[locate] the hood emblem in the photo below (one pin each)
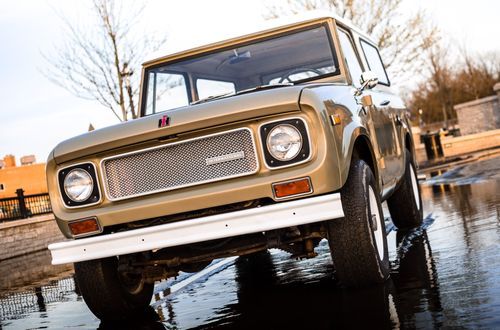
(224, 158)
(164, 121)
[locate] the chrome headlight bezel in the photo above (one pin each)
(304, 153)
(94, 196)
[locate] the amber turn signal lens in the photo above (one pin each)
(290, 188)
(335, 120)
(84, 226)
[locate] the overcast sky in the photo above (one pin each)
(35, 114)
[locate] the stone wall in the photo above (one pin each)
(21, 237)
(456, 146)
(479, 115)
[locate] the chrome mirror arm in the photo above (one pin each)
(368, 80)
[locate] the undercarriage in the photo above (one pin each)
(299, 241)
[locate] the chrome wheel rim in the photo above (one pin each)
(376, 224)
(414, 184)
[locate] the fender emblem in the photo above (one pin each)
(164, 121)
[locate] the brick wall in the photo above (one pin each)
(21, 237)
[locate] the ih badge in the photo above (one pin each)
(164, 121)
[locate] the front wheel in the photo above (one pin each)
(405, 204)
(358, 243)
(109, 294)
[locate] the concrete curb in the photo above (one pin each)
(23, 222)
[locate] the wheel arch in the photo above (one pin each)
(362, 148)
(409, 145)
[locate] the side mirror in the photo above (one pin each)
(368, 80)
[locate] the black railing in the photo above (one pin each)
(24, 206)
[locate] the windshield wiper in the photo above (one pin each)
(243, 91)
(268, 86)
(211, 97)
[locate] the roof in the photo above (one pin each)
(262, 27)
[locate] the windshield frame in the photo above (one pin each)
(327, 23)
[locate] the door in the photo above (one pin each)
(386, 113)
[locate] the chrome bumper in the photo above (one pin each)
(260, 219)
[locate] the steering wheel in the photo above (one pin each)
(287, 75)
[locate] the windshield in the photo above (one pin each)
(290, 58)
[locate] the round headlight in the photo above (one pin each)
(284, 142)
(78, 185)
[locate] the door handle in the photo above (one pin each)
(385, 102)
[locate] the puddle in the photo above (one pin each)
(477, 172)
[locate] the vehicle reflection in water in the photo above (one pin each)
(268, 297)
(444, 274)
(417, 285)
(149, 321)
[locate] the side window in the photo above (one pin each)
(2, 188)
(207, 88)
(375, 62)
(165, 91)
(350, 57)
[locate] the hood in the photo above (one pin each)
(189, 118)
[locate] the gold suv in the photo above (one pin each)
(277, 139)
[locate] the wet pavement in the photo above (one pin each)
(443, 274)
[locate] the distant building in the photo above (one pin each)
(30, 176)
(9, 161)
(28, 160)
(479, 115)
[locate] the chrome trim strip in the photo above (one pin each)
(105, 183)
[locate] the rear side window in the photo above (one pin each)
(375, 62)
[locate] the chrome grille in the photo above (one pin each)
(182, 164)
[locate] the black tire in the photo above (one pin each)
(109, 295)
(353, 239)
(405, 207)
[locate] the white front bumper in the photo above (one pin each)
(231, 224)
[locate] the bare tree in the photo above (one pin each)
(452, 80)
(475, 70)
(401, 40)
(102, 61)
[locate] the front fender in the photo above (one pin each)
(338, 100)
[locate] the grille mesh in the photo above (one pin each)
(179, 165)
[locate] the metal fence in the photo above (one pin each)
(24, 206)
